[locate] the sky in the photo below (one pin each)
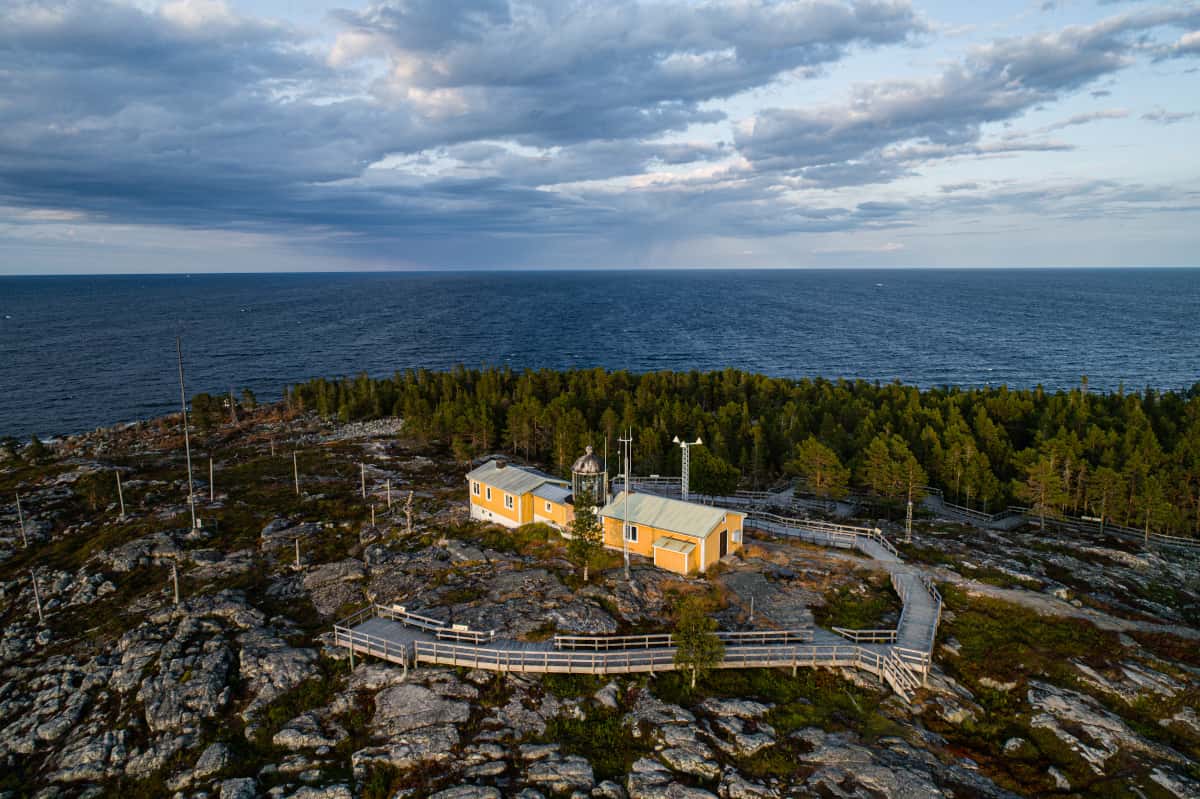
(297, 135)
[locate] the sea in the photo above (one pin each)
(77, 353)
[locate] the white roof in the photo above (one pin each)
(513, 479)
(674, 545)
(674, 515)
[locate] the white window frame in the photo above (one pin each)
(475, 487)
(508, 501)
(631, 533)
(489, 493)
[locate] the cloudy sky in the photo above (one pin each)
(197, 135)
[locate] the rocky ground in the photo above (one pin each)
(1064, 666)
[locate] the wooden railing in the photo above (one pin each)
(643, 660)
(604, 643)
(866, 636)
(370, 644)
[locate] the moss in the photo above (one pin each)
(602, 738)
(571, 686)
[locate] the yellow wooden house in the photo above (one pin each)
(516, 495)
(678, 536)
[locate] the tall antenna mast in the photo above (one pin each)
(187, 444)
(627, 441)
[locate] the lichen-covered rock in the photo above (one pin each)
(561, 775)
(408, 706)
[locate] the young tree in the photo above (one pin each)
(586, 539)
(821, 469)
(36, 451)
(697, 648)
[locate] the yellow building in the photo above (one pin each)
(682, 537)
(516, 495)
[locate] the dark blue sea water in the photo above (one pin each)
(79, 352)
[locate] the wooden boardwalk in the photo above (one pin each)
(901, 657)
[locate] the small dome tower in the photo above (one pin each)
(588, 475)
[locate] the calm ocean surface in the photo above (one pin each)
(79, 352)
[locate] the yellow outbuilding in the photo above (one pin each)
(682, 537)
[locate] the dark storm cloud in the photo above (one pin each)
(193, 115)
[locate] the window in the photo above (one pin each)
(489, 493)
(737, 536)
(508, 501)
(547, 506)
(475, 489)
(631, 533)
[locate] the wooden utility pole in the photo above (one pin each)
(296, 472)
(120, 494)
(389, 494)
(187, 445)
(37, 597)
(21, 521)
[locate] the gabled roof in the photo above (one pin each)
(666, 514)
(513, 479)
(553, 492)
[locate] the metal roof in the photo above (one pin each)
(666, 514)
(674, 545)
(553, 492)
(513, 479)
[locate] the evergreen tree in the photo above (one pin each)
(586, 535)
(697, 648)
(820, 469)
(1042, 487)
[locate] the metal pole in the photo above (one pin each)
(684, 479)
(21, 520)
(296, 472)
(362, 471)
(187, 446)
(120, 494)
(37, 597)
(628, 440)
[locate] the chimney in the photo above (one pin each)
(501, 463)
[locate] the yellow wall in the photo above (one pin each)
(518, 514)
(558, 514)
(676, 561)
